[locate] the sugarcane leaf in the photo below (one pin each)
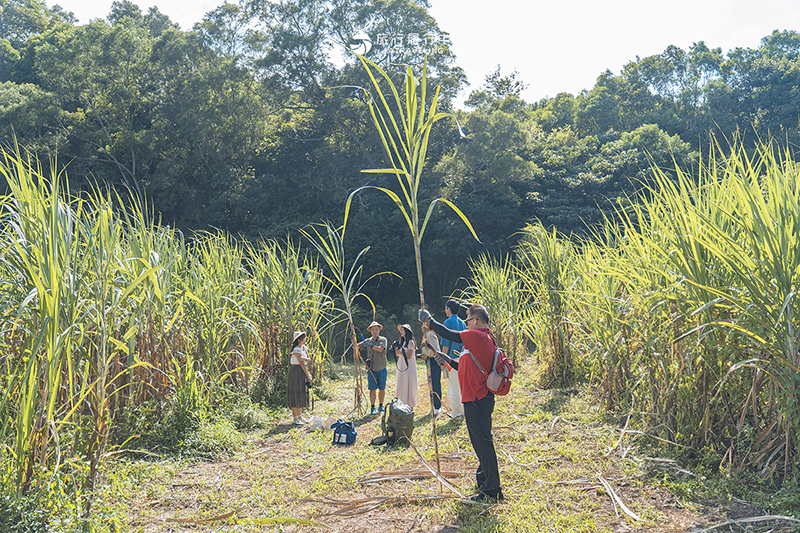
(461, 215)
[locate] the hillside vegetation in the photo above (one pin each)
(249, 122)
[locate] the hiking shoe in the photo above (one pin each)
(380, 408)
(373, 411)
(482, 497)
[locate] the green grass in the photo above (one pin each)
(552, 446)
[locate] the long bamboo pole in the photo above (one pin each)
(427, 361)
(359, 387)
(405, 143)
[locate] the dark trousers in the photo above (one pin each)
(478, 416)
(436, 383)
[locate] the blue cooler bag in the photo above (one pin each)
(344, 432)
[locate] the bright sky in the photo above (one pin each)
(558, 45)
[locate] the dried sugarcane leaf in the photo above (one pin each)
(279, 521)
(750, 520)
(764, 434)
(378, 477)
(617, 499)
(365, 505)
(580, 481)
(225, 516)
(436, 474)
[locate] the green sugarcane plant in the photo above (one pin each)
(752, 233)
(102, 310)
(113, 285)
(328, 242)
(40, 253)
(157, 319)
(404, 126)
(67, 256)
(602, 307)
(500, 287)
(546, 258)
(288, 294)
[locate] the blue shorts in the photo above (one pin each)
(378, 381)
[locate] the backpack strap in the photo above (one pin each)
(478, 364)
(495, 356)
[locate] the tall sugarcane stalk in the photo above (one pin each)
(405, 129)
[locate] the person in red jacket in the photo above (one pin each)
(478, 401)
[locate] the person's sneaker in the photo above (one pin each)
(482, 497)
(373, 411)
(436, 411)
(299, 422)
(380, 408)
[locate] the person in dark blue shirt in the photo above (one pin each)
(453, 349)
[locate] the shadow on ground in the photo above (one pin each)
(557, 401)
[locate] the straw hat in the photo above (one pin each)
(406, 326)
(297, 335)
(374, 324)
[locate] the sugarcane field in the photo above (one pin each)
(295, 268)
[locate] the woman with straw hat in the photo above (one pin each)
(299, 379)
(406, 384)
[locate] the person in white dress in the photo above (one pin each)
(406, 384)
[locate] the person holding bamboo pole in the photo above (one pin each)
(478, 401)
(299, 379)
(429, 347)
(453, 349)
(375, 360)
(406, 383)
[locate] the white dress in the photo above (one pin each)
(407, 386)
(454, 392)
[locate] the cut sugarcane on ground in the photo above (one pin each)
(564, 467)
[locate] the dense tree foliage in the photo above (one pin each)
(250, 122)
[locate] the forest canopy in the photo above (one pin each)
(250, 122)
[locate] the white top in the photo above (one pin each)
(432, 340)
(299, 352)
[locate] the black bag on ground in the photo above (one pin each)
(344, 432)
(397, 421)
